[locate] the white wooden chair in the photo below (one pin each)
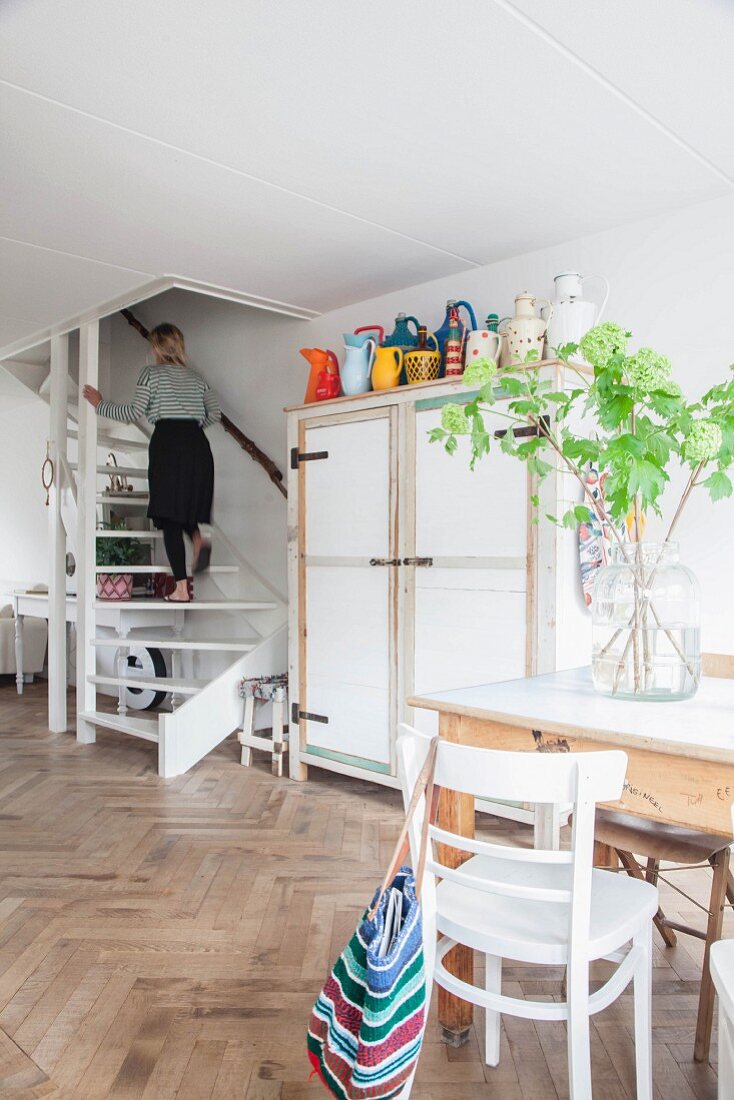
(721, 965)
(536, 906)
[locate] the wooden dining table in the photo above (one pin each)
(680, 755)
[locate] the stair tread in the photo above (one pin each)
(146, 728)
(165, 569)
(114, 442)
(181, 685)
(243, 645)
(127, 534)
(121, 471)
(139, 497)
(193, 605)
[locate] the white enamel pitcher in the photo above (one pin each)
(573, 315)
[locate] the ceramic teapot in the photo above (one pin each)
(526, 330)
(357, 368)
(387, 367)
(358, 338)
(573, 315)
(320, 360)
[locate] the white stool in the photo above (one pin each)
(265, 689)
(721, 963)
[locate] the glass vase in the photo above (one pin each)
(646, 610)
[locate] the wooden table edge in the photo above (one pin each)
(607, 738)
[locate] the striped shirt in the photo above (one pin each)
(167, 392)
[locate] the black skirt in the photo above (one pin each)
(180, 474)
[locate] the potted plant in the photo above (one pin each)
(629, 421)
(116, 552)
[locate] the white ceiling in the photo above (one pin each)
(324, 153)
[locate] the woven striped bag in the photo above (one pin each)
(366, 1028)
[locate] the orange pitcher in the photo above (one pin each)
(320, 361)
(386, 368)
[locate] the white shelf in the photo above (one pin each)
(155, 683)
(223, 645)
(145, 728)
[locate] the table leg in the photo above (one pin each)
(19, 653)
(456, 814)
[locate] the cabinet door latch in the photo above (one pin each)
(424, 562)
(305, 456)
(385, 561)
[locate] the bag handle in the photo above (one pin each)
(424, 784)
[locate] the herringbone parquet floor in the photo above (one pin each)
(167, 939)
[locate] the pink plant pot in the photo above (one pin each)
(114, 586)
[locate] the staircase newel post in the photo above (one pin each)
(57, 717)
(86, 542)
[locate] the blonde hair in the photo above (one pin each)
(168, 344)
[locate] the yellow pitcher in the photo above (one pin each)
(386, 369)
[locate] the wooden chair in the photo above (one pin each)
(257, 691)
(659, 843)
(534, 905)
(721, 961)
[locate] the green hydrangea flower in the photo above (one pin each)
(479, 372)
(703, 441)
(647, 370)
(602, 342)
(454, 420)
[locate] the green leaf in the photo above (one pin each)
(451, 444)
(718, 485)
(535, 500)
(615, 410)
(436, 434)
(569, 518)
(580, 450)
(582, 513)
(538, 466)
(646, 478)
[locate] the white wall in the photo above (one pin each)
(672, 284)
(23, 515)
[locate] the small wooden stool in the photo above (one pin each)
(264, 689)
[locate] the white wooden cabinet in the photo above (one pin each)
(408, 573)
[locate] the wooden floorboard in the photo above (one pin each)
(166, 939)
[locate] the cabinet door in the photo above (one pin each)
(349, 647)
(470, 605)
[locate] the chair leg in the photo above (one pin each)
(643, 1014)
(633, 869)
(492, 1020)
(579, 1041)
(720, 864)
(730, 887)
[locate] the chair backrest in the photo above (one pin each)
(582, 779)
(720, 665)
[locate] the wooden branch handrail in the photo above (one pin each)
(248, 445)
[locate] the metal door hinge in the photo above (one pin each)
(425, 562)
(305, 456)
(385, 561)
(307, 716)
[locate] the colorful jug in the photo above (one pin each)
(443, 331)
(484, 343)
(319, 361)
(422, 364)
(357, 369)
(387, 367)
(526, 331)
(357, 338)
(329, 383)
(401, 336)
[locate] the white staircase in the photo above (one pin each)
(235, 616)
